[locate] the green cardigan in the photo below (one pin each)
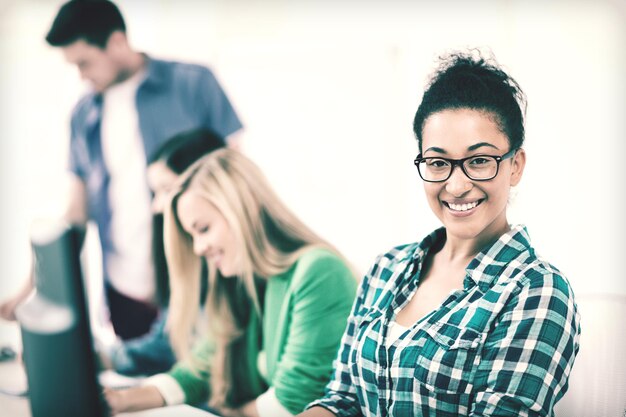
(304, 316)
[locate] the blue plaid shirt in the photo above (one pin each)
(504, 345)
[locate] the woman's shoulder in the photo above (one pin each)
(400, 253)
(536, 272)
(514, 261)
(320, 264)
(319, 257)
(406, 253)
(394, 259)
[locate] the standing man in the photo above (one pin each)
(137, 103)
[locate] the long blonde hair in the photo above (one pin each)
(270, 237)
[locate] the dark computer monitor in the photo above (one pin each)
(56, 338)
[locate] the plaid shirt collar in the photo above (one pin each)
(488, 264)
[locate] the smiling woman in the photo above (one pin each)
(469, 321)
(277, 301)
(212, 238)
(471, 202)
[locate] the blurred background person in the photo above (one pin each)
(135, 105)
(152, 353)
(278, 298)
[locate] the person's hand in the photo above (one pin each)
(133, 399)
(7, 308)
(116, 399)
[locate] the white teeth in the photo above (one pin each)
(463, 207)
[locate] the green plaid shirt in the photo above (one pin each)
(504, 345)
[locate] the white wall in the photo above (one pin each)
(327, 91)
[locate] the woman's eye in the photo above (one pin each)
(203, 229)
(437, 163)
(479, 160)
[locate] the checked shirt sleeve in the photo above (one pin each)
(528, 357)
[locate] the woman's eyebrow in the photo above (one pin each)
(436, 149)
(469, 148)
(480, 145)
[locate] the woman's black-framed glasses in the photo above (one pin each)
(475, 167)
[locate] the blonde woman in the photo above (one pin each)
(278, 298)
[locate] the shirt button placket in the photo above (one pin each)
(383, 379)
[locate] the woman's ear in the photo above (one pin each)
(518, 162)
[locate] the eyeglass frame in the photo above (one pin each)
(460, 162)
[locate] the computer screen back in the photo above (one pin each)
(57, 345)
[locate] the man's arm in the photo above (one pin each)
(75, 211)
(8, 306)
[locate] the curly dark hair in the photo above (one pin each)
(469, 80)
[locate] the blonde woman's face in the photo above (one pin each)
(212, 236)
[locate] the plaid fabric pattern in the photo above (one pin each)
(504, 345)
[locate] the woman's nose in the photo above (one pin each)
(200, 246)
(458, 184)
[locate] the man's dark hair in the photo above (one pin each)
(90, 20)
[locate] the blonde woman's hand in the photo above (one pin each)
(115, 399)
(133, 399)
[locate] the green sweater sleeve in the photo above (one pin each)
(193, 376)
(323, 290)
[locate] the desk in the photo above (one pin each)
(13, 379)
(174, 411)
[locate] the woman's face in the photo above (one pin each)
(470, 210)
(161, 181)
(212, 236)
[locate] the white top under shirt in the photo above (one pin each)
(130, 267)
(267, 404)
(394, 332)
